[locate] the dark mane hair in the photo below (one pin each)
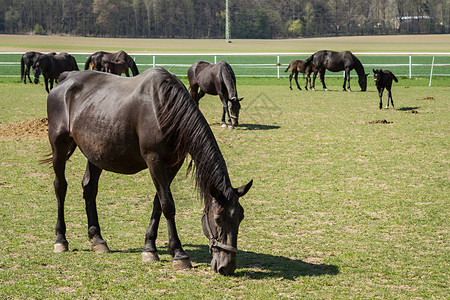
(185, 127)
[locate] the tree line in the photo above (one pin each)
(206, 18)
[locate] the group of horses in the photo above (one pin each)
(52, 65)
(333, 61)
(152, 121)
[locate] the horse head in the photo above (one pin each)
(36, 71)
(220, 223)
(362, 80)
(234, 108)
(377, 75)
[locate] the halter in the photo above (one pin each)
(214, 242)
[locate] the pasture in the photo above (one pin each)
(344, 205)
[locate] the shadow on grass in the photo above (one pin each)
(260, 265)
(252, 126)
(407, 108)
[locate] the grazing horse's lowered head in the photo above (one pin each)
(220, 224)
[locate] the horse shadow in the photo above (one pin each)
(254, 126)
(407, 108)
(266, 265)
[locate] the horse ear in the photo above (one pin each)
(374, 70)
(240, 99)
(242, 190)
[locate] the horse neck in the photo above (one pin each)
(187, 131)
(359, 67)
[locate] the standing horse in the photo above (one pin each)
(383, 79)
(117, 67)
(335, 62)
(101, 58)
(297, 66)
(216, 79)
(51, 66)
(125, 125)
(26, 62)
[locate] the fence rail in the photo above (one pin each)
(423, 64)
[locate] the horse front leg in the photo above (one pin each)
(290, 79)
(380, 94)
(347, 80)
(27, 73)
(390, 97)
(162, 177)
(90, 189)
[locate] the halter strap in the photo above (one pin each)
(213, 242)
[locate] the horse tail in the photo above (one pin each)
(287, 68)
(22, 68)
(49, 158)
(88, 62)
(132, 64)
(395, 78)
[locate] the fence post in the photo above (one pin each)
(215, 59)
(278, 67)
(431, 72)
(410, 66)
(154, 61)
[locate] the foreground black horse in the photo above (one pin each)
(383, 79)
(125, 125)
(101, 59)
(300, 66)
(335, 62)
(51, 66)
(216, 79)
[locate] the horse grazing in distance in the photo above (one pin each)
(101, 58)
(299, 66)
(126, 125)
(26, 62)
(335, 62)
(51, 66)
(216, 79)
(117, 67)
(383, 80)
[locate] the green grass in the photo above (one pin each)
(340, 208)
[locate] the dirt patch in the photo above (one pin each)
(413, 111)
(426, 98)
(380, 122)
(36, 128)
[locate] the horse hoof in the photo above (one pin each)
(58, 248)
(150, 256)
(224, 125)
(182, 264)
(100, 248)
(230, 127)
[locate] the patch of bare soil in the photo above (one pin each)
(426, 98)
(36, 128)
(380, 122)
(413, 111)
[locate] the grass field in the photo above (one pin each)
(342, 206)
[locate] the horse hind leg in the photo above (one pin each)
(296, 81)
(61, 146)
(90, 189)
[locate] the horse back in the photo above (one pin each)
(110, 118)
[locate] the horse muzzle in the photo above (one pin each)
(223, 263)
(36, 80)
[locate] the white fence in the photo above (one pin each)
(422, 64)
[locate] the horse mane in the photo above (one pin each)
(185, 127)
(229, 72)
(359, 68)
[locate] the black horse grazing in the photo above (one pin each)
(26, 62)
(100, 60)
(335, 62)
(51, 66)
(383, 79)
(299, 66)
(126, 125)
(216, 79)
